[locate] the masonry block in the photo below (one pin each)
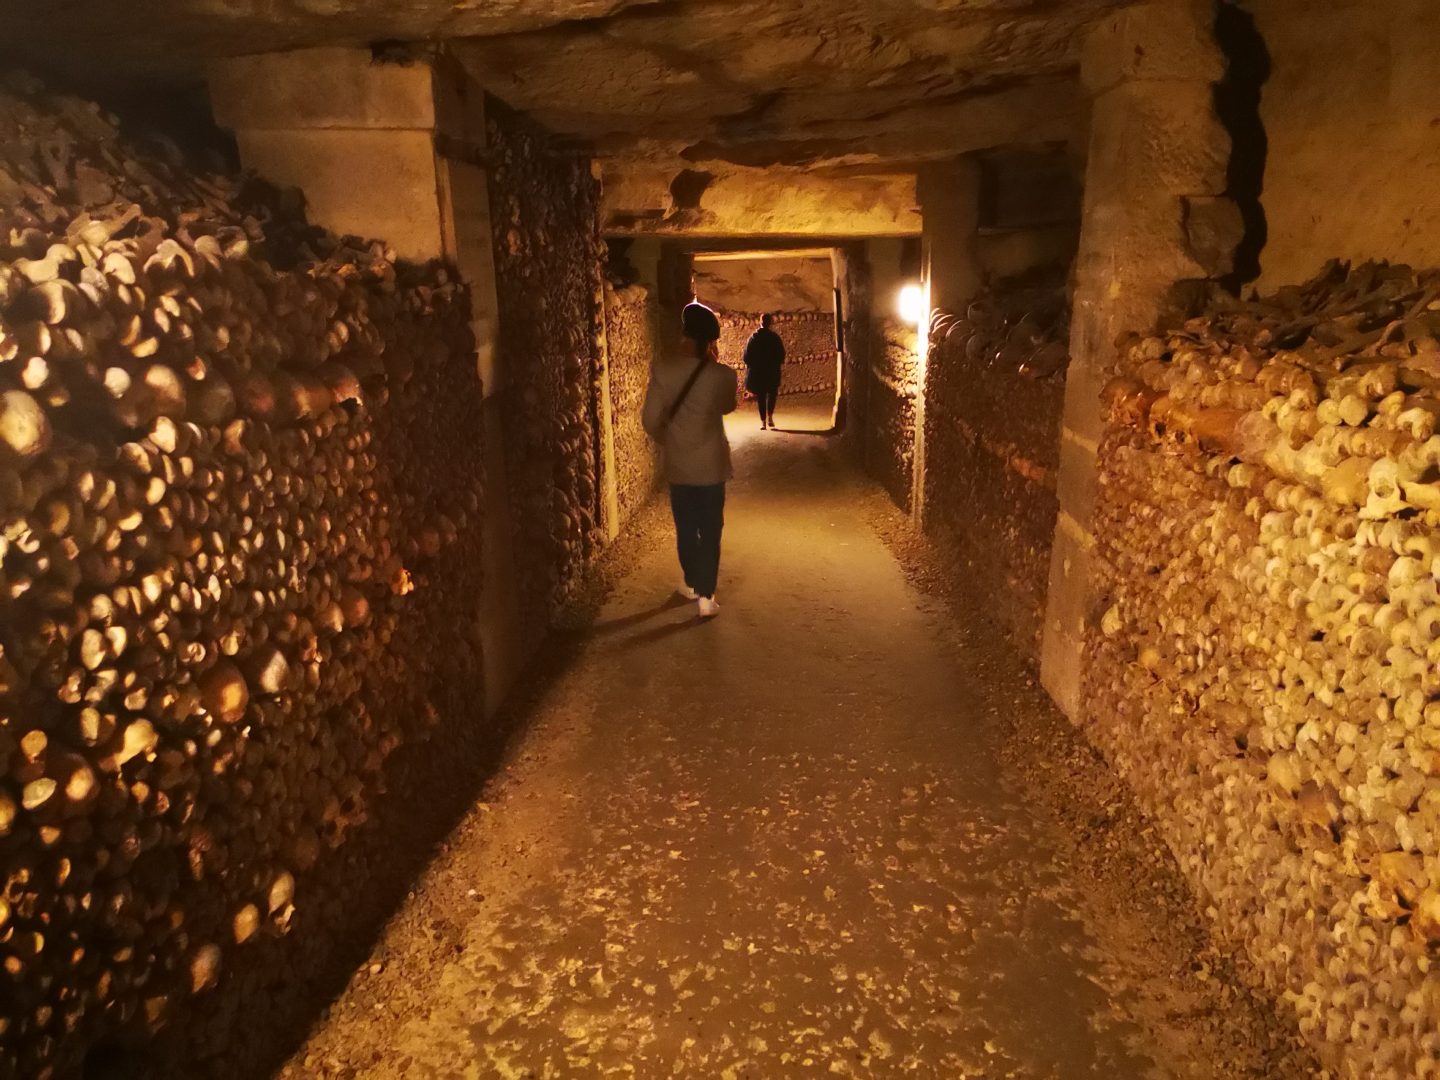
(321, 88)
(363, 182)
(1162, 41)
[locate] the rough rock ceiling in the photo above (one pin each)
(787, 117)
(169, 41)
(761, 82)
(751, 82)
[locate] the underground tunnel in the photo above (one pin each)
(1074, 708)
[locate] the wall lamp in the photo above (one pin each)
(911, 303)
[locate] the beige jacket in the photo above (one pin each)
(696, 450)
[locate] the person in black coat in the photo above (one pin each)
(764, 356)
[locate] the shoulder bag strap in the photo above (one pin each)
(685, 390)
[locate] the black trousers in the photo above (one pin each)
(699, 512)
(766, 399)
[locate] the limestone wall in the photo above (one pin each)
(809, 338)
(1262, 662)
(994, 391)
(544, 210)
(631, 334)
(241, 499)
(893, 380)
(1349, 111)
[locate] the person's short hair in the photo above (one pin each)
(699, 323)
(766, 320)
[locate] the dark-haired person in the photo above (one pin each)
(685, 406)
(764, 357)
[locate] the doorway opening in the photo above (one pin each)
(798, 287)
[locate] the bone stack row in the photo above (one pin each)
(1264, 662)
(544, 211)
(994, 392)
(809, 338)
(890, 404)
(239, 506)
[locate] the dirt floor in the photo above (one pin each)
(837, 831)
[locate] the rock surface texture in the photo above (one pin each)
(817, 103)
(798, 283)
(764, 82)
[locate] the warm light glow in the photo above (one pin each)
(912, 304)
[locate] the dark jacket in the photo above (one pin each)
(764, 356)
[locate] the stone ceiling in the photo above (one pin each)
(749, 82)
(763, 82)
(110, 41)
(803, 117)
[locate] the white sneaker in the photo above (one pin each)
(708, 607)
(687, 592)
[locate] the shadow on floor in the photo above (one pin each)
(639, 618)
(824, 433)
(658, 633)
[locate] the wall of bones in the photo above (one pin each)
(809, 338)
(549, 287)
(632, 335)
(994, 389)
(1264, 659)
(240, 502)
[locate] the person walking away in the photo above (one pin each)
(685, 407)
(764, 357)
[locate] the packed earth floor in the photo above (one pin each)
(794, 841)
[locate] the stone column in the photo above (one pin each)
(1154, 215)
(674, 288)
(609, 480)
(951, 275)
(394, 151)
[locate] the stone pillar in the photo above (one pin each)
(1154, 215)
(394, 151)
(951, 275)
(609, 480)
(674, 288)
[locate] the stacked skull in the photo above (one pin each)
(994, 393)
(1263, 665)
(549, 287)
(239, 503)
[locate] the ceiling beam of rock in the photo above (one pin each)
(744, 202)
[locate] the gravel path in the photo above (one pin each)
(794, 841)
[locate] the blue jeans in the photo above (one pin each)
(699, 512)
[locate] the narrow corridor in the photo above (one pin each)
(771, 845)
